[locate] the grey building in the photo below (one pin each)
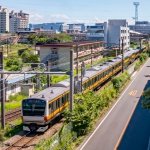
(118, 29)
(98, 32)
(58, 26)
(77, 26)
(141, 26)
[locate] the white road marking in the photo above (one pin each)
(111, 109)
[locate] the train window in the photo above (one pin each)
(56, 104)
(67, 97)
(63, 100)
(50, 108)
(33, 107)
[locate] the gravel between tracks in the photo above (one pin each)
(49, 133)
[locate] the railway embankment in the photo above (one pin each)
(89, 109)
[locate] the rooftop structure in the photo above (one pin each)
(4, 20)
(18, 20)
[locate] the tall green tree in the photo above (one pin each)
(42, 35)
(32, 38)
(146, 101)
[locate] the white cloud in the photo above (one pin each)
(60, 16)
(97, 19)
(36, 18)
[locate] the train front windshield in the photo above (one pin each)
(33, 107)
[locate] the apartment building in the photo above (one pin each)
(18, 20)
(118, 30)
(4, 20)
(141, 26)
(98, 32)
(59, 54)
(77, 26)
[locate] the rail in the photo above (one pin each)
(25, 138)
(12, 115)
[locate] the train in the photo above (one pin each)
(40, 109)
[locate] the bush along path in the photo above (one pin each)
(88, 108)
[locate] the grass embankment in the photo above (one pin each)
(11, 129)
(14, 102)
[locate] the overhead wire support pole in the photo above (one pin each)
(119, 46)
(48, 76)
(2, 90)
(7, 46)
(77, 59)
(91, 56)
(71, 80)
(122, 56)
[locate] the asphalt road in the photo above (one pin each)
(136, 136)
(110, 128)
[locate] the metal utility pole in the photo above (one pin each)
(122, 56)
(7, 46)
(136, 13)
(77, 59)
(38, 82)
(140, 44)
(82, 73)
(119, 46)
(2, 90)
(91, 55)
(48, 76)
(71, 80)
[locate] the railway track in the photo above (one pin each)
(12, 115)
(24, 142)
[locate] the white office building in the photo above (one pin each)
(4, 20)
(98, 32)
(18, 20)
(118, 29)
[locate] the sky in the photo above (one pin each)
(79, 11)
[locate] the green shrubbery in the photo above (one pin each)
(17, 97)
(142, 58)
(92, 105)
(10, 131)
(13, 64)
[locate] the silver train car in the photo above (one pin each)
(40, 109)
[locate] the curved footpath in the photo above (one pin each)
(126, 125)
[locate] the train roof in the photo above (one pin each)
(50, 93)
(63, 86)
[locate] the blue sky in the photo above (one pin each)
(73, 11)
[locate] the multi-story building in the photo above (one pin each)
(77, 26)
(64, 28)
(98, 32)
(117, 30)
(141, 26)
(18, 20)
(49, 26)
(59, 54)
(4, 20)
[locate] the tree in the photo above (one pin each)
(32, 38)
(41, 41)
(146, 101)
(42, 35)
(13, 64)
(25, 55)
